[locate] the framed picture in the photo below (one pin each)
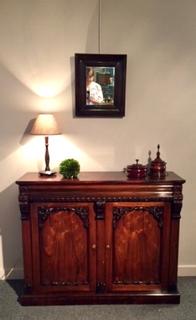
(100, 85)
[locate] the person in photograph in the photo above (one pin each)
(94, 93)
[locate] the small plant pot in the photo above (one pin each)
(69, 168)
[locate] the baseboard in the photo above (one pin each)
(187, 270)
(17, 273)
(11, 273)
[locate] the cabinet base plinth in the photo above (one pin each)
(62, 299)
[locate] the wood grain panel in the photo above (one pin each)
(63, 243)
(136, 249)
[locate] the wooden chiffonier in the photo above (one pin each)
(101, 238)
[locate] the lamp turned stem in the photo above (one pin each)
(47, 157)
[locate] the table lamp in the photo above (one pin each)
(45, 124)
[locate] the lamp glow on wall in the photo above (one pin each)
(45, 124)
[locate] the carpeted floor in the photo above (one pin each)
(10, 309)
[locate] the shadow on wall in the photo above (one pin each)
(10, 233)
(18, 106)
(14, 100)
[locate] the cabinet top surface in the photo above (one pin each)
(97, 177)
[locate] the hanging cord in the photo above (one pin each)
(99, 27)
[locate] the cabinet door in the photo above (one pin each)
(137, 246)
(64, 247)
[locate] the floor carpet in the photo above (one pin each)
(10, 309)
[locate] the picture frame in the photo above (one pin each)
(100, 83)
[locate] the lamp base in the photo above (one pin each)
(47, 173)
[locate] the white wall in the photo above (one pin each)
(38, 42)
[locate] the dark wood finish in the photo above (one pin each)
(66, 238)
(47, 157)
(136, 246)
(102, 238)
(100, 60)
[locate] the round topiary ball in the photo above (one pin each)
(69, 168)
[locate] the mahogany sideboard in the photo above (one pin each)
(99, 239)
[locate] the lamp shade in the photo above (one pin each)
(45, 124)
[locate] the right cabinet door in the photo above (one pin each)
(137, 246)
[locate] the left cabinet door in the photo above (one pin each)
(63, 247)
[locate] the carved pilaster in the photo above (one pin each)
(176, 209)
(24, 206)
(44, 212)
(157, 213)
(177, 202)
(99, 207)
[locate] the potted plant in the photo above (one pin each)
(69, 168)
